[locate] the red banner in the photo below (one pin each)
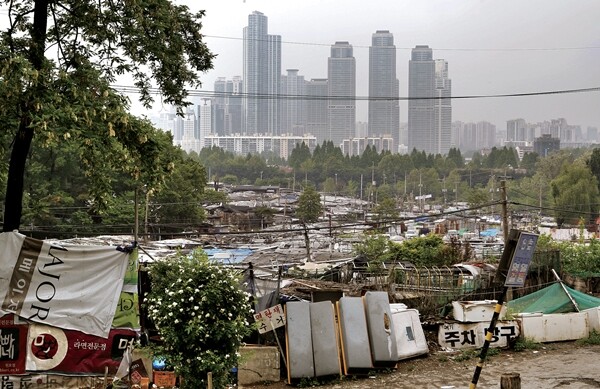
(13, 345)
(66, 351)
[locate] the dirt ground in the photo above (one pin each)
(556, 365)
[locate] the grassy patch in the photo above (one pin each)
(593, 339)
(523, 344)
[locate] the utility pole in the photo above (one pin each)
(420, 193)
(504, 210)
(493, 190)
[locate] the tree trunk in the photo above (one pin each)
(13, 202)
(307, 243)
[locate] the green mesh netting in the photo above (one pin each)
(553, 299)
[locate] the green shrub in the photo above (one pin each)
(200, 313)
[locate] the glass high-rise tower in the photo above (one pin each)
(429, 105)
(262, 76)
(341, 71)
(384, 109)
(421, 91)
(442, 108)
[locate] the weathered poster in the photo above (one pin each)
(45, 381)
(73, 287)
(13, 345)
(127, 314)
(66, 351)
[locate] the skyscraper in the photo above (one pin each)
(442, 108)
(317, 109)
(273, 84)
(341, 70)
(384, 109)
(227, 106)
(262, 73)
(293, 109)
(421, 90)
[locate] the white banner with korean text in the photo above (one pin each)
(71, 287)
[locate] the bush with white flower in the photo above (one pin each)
(200, 312)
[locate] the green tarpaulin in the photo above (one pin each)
(553, 299)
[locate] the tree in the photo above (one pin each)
(594, 163)
(65, 95)
(575, 193)
(299, 155)
(455, 156)
(529, 160)
(308, 211)
(309, 205)
(386, 209)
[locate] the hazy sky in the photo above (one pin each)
(492, 47)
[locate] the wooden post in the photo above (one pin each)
(209, 380)
(510, 381)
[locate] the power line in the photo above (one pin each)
(267, 96)
(467, 49)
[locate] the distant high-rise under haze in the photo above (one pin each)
(341, 71)
(442, 109)
(317, 112)
(293, 115)
(262, 76)
(421, 90)
(384, 109)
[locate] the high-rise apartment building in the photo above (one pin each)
(517, 130)
(205, 120)
(442, 109)
(293, 113)
(273, 84)
(472, 137)
(421, 91)
(384, 108)
(316, 108)
(261, 78)
(227, 106)
(341, 71)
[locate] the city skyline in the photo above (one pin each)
(486, 55)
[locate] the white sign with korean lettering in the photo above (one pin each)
(270, 318)
(472, 335)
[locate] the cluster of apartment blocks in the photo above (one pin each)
(265, 111)
(542, 137)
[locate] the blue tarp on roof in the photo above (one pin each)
(228, 256)
(490, 232)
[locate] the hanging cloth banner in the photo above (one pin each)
(70, 287)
